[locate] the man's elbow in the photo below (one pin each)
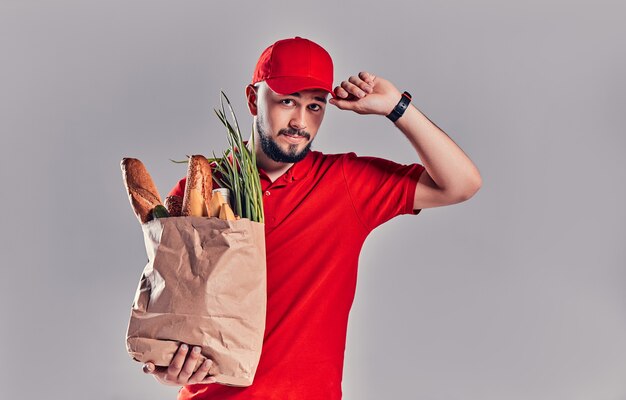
(469, 189)
(477, 183)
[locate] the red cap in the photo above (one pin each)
(292, 65)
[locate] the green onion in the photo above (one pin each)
(239, 173)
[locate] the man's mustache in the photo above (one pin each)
(294, 132)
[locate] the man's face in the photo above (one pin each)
(287, 124)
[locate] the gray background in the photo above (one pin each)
(516, 294)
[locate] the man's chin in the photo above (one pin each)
(298, 154)
(294, 148)
(283, 150)
(294, 153)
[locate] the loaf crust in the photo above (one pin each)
(198, 188)
(142, 192)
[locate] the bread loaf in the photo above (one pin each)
(198, 188)
(174, 205)
(142, 192)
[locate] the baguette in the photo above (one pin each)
(142, 192)
(198, 188)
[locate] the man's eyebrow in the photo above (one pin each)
(320, 99)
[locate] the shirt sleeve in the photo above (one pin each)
(380, 189)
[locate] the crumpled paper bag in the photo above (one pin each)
(204, 285)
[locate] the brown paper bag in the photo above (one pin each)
(204, 285)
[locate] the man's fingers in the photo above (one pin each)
(364, 86)
(210, 379)
(341, 92)
(177, 362)
(357, 86)
(148, 368)
(342, 104)
(200, 376)
(367, 77)
(190, 364)
(340, 101)
(353, 89)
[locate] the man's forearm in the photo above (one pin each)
(445, 162)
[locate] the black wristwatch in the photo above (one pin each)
(401, 107)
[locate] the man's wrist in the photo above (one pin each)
(400, 108)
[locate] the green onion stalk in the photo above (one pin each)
(238, 168)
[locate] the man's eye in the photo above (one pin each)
(315, 107)
(286, 101)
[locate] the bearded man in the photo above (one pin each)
(319, 209)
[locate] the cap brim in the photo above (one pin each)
(292, 84)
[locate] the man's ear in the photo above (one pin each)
(251, 96)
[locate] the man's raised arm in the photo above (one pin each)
(450, 176)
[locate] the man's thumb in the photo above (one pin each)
(341, 104)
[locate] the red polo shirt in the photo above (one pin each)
(318, 214)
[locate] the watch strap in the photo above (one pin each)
(401, 107)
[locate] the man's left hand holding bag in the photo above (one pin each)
(180, 371)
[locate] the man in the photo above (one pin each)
(318, 210)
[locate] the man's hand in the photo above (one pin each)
(366, 94)
(180, 371)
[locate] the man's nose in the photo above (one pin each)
(298, 119)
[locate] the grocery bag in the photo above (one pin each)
(204, 285)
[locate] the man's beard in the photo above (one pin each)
(273, 151)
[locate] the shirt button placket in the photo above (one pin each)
(270, 221)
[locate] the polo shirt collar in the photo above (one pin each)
(300, 169)
(297, 171)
